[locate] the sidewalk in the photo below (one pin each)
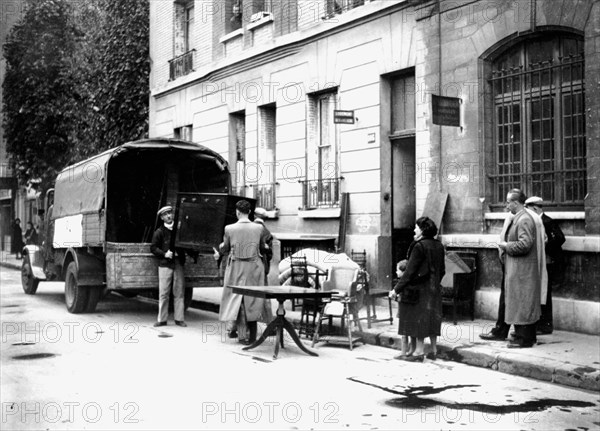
(566, 358)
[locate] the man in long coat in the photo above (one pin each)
(243, 242)
(524, 270)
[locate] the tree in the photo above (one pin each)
(124, 90)
(39, 92)
(77, 83)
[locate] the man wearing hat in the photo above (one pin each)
(260, 215)
(554, 241)
(243, 243)
(170, 269)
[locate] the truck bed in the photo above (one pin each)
(133, 266)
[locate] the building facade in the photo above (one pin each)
(359, 116)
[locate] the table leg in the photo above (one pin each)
(271, 329)
(288, 327)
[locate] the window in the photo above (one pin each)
(539, 123)
(184, 28)
(233, 15)
(265, 189)
(183, 40)
(403, 104)
(184, 133)
(334, 7)
(322, 188)
(237, 150)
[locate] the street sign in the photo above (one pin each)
(343, 117)
(446, 110)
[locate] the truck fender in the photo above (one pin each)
(90, 269)
(36, 260)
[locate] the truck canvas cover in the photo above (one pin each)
(82, 188)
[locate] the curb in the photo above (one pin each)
(477, 355)
(10, 265)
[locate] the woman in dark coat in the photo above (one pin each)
(424, 271)
(17, 238)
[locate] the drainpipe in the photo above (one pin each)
(439, 8)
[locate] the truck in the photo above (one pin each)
(101, 214)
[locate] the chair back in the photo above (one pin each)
(341, 279)
(360, 257)
(299, 271)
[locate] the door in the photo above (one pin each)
(403, 195)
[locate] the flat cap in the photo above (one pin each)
(260, 212)
(164, 210)
(534, 200)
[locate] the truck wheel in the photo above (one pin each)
(94, 293)
(28, 280)
(187, 298)
(76, 297)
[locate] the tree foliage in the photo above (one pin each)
(39, 90)
(77, 82)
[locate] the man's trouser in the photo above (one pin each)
(170, 279)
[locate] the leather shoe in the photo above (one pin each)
(414, 358)
(432, 356)
(245, 342)
(181, 323)
(157, 324)
(490, 336)
(232, 334)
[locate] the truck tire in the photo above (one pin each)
(28, 280)
(76, 297)
(94, 293)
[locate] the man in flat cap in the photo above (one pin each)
(554, 241)
(170, 269)
(260, 215)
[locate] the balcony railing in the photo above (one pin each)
(321, 193)
(182, 65)
(265, 195)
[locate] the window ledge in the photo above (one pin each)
(232, 35)
(259, 23)
(583, 244)
(320, 213)
(556, 215)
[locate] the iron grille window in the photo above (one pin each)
(539, 122)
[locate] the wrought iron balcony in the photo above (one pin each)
(181, 65)
(265, 195)
(321, 193)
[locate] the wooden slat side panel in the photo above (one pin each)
(93, 229)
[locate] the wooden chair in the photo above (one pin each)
(343, 305)
(370, 293)
(462, 291)
(299, 274)
(311, 307)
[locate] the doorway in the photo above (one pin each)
(403, 195)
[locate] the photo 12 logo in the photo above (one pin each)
(31, 412)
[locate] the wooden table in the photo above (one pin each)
(276, 327)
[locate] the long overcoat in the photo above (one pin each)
(423, 319)
(242, 242)
(523, 269)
